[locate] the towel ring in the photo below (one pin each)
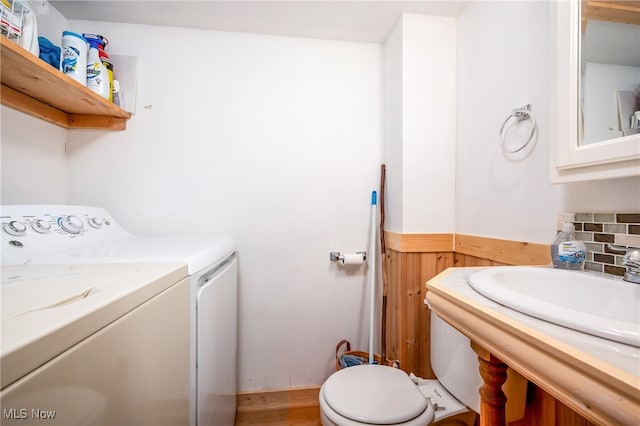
(520, 114)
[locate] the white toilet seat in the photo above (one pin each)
(373, 395)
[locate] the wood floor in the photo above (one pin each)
(296, 407)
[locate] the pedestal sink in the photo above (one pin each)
(592, 303)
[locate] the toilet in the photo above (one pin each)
(380, 395)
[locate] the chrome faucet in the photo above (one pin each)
(632, 261)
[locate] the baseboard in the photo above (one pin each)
(296, 406)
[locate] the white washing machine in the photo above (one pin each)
(95, 344)
(38, 235)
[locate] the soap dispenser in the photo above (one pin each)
(567, 251)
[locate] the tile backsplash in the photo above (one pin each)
(601, 233)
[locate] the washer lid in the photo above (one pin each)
(374, 394)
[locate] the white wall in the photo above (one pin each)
(420, 87)
(503, 63)
(393, 154)
(51, 23)
(606, 196)
(429, 111)
(273, 141)
(504, 51)
(33, 168)
(34, 164)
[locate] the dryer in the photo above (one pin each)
(77, 235)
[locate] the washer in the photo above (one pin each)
(95, 344)
(80, 235)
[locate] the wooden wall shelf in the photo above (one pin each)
(34, 87)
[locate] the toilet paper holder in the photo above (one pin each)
(336, 256)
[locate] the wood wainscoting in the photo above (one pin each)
(408, 318)
(412, 260)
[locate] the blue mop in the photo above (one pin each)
(349, 360)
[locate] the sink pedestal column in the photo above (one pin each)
(492, 399)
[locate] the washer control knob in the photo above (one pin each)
(41, 226)
(15, 228)
(96, 222)
(72, 224)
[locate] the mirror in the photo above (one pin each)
(609, 70)
(585, 100)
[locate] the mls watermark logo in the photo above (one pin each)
(26, 413)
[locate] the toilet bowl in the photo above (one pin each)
(373, 394)
(380, 395)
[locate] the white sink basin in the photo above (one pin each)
(588, 302)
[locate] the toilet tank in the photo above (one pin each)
(455, 365)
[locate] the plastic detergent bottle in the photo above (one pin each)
(567, 251)
(97, 76)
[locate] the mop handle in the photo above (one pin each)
(372, 271)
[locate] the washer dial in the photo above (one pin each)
(41, 226)
(96, 222)
(15, 228)
(71, 224)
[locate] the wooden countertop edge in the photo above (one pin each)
(558, 368)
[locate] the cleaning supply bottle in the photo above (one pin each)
(104, 58)
(73, 57)
(102, 43)
(97, 77)
(567, 251)
(117, 94)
